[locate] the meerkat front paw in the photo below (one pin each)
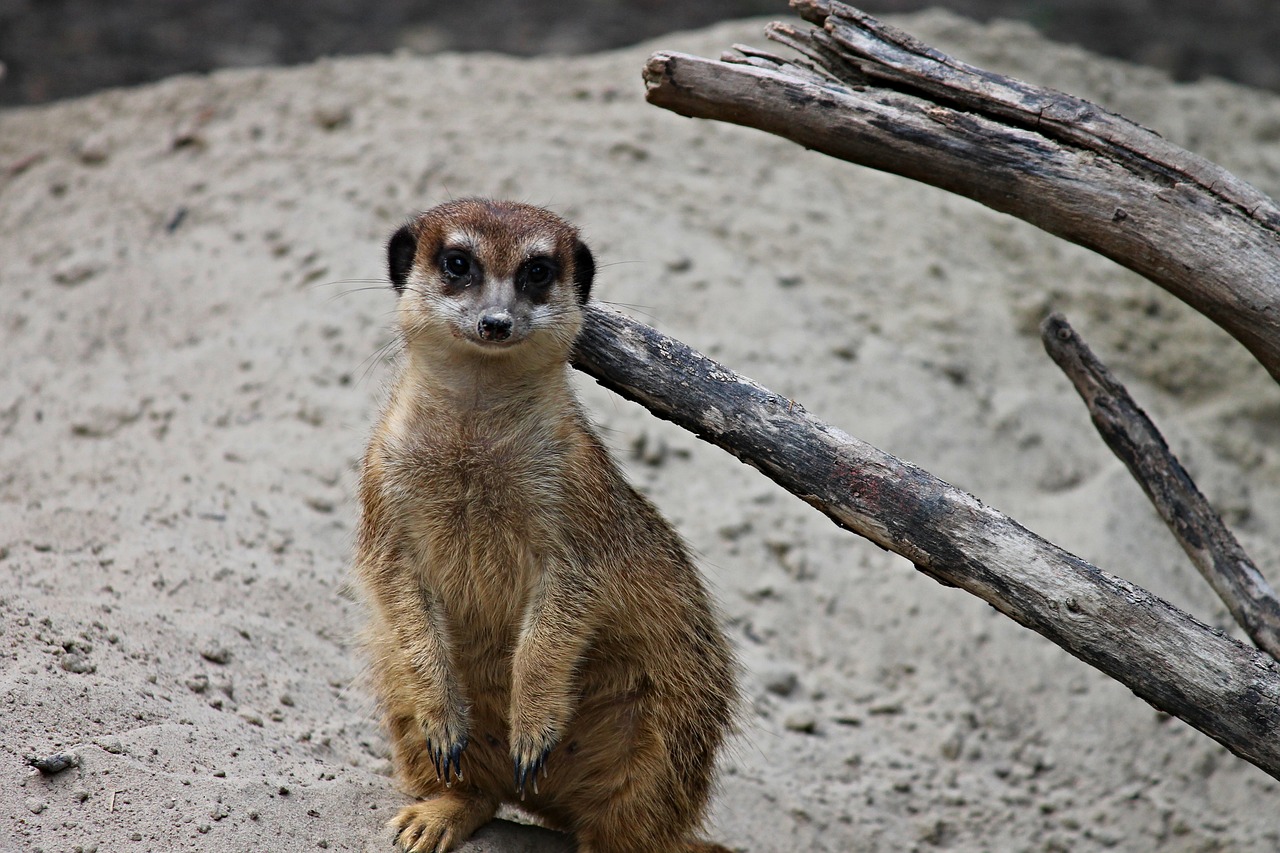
(446, 741)
(529, 751)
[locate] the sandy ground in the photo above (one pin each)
(194, 346)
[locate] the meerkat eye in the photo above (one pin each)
(539, 273)
(536, 278)
(456, 263)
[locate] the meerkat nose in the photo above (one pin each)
(495, 326)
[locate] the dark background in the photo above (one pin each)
(61, 48)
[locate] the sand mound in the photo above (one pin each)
(193, 326)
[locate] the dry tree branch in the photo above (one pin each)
(1223, 688)
(1135, 440)
(873, 95)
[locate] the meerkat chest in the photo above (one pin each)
(483, 512)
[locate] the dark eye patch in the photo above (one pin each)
(535, 277)
(458, 268)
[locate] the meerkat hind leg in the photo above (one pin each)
(443, 822)
(639, 802)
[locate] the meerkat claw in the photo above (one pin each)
(526, 771)
(447, 760)
(452, 760)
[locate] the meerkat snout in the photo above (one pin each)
(495, 326)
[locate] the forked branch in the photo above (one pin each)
(873, 95)
(1135, 440)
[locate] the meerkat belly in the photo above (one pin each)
(481, 530)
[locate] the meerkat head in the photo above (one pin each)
(491, 277)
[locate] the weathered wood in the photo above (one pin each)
(873, 95)
(1223, 688)
(1131, 435)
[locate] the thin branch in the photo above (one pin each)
(1223, 688)
(1056, 161)
(1135, 440)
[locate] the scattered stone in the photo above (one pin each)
(332, 117)
(110, 744)
(78, 663)
(93, 150)
(953, 747)
(35, 806)
(802, 721)
(251, 715)
(216, 653)
(56, 763)
(780, 680)
(320, 504)
(72, 273)
(649, 450)
(197, 683)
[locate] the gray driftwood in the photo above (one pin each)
(1135, 440)
(1224, 688)
(871, 94)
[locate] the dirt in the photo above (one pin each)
(195, 322)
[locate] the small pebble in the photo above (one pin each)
(251, 715)
(216, 653)
(72, 273)
(35, 806)
(110, 744)
(800, 721)
(78, 664)
(332, 117)
(93, 150)
(779, 680)
(56, 763)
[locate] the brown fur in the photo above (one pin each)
(529, 610)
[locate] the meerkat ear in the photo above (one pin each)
(401, 249)
(584, 270)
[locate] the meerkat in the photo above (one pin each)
(537, 633)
